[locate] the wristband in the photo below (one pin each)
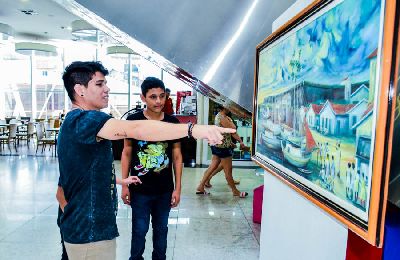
(190, 129)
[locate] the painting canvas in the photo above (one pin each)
(318, 97)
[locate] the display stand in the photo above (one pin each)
(294, 228)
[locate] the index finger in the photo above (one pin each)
(227, 130)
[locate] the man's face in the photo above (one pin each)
(96, 94)
(154, 99)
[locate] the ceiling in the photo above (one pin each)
(190, 34)
(44, 20)
(193, 34)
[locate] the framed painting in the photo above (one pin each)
(323, 110)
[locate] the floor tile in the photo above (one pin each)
(218, 226)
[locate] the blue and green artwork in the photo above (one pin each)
(316, 91)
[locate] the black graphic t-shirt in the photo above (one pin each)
(152, 161)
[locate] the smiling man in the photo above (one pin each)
(89, 201)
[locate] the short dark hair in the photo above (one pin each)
(80, 72)
(167, 90)
(151, 82)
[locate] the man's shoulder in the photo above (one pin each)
(90, 117)
(85, 113)
(136, 116)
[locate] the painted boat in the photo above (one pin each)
(299, 155)
(289, 134)
(286, 131)
(273, 127)
(295, 139)
(270, 140)
(294, 154)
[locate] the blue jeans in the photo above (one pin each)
(158, 206)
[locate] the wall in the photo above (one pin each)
(293, 227)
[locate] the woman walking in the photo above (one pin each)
(222, 153)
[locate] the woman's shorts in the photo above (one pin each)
(221, 152)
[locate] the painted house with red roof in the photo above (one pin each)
(312, 115)
(334, 119)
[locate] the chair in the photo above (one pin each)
(57, 123)
(28, 133)
(8, 119)
(41, 138)
(3, 130)
(11, 137)
(25, 118)
(51, 123)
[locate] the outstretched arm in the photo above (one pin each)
(153, 130)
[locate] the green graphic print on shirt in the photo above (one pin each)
(151, 157)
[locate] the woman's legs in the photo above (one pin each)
(219, 168)
(227, 166)
(215, 160)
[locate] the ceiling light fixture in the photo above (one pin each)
(6, 31)
(119, 50)
(39, 49)
(82, 30)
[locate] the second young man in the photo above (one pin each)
(152, 162)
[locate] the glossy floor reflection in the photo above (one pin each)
(218, 226)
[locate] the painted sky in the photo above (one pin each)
(334, 46)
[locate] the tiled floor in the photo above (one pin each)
(218, 226)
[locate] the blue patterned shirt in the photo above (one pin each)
(87, 178)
